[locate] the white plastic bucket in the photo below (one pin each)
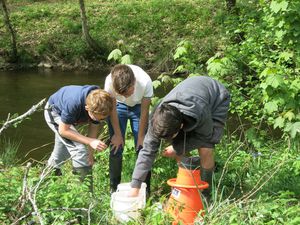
(127, 208)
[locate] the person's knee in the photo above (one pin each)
(205, 152)
(206, 158)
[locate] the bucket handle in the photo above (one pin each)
(112, 200)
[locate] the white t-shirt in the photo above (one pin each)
(143, 87)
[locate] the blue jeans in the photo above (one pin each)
(125, 113)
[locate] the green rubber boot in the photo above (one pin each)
(85, 175)
(115, 171)
(207, 176)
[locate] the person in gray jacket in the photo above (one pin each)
(192, 116)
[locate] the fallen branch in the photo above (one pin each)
(23, 197)
(9, 122)
(37, 148)
(50, 210)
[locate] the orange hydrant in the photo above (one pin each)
(185, 201)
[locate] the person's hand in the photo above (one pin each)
(169, 152)
(98, 145)
(134, 192)
(116, 142)
(139, 148)
(140, 142)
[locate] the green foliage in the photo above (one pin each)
(277, 209)
(117, 56)
(262, 69)
(8, 152)
(186, 60)
(257, 178)
(149, 28)
(71, 26)
(11, 183)
(259, 185)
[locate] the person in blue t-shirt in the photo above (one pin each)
(69, 106)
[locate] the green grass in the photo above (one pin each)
(8, 152)
(150, 30)
(250, 200)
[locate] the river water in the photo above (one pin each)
(20, 90)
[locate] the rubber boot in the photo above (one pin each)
(85, 175)
(207, 176)
(57, 172)
(115, 170)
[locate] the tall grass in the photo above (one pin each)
(8, 152)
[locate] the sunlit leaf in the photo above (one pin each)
(126, 59)
(215, 66)
(289, 115)
(279, 122)
(277, 6)
(280, 33)
(286, 55)
(271, 107)
(274, 80)
(295, 128)
(156, 83)
(179, 69)
(180, 51)
(295, 85)
(166, 79)
(267, 71)
(115, 55)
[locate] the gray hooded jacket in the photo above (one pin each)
(204, 103)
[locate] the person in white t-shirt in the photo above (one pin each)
(131, 87)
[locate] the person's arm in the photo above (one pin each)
(92, 133)
(144, 162)
(145, 104)
(66, 131)
(117, 138)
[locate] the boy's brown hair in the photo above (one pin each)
(122, 78)
(166, 121)
(99, 101)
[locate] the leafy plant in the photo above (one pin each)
(262, 67)
(8, 153)
(117, 56)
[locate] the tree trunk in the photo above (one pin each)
(85, 29)
(14, 56)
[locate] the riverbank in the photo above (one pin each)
(50, 33)
(81, 65)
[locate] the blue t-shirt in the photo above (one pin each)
(69, 103)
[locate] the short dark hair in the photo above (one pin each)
(122, 78)
(166, 121)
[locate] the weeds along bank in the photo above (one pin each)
(51, 31)
(253, 187)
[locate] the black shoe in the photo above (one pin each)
(57, 172)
